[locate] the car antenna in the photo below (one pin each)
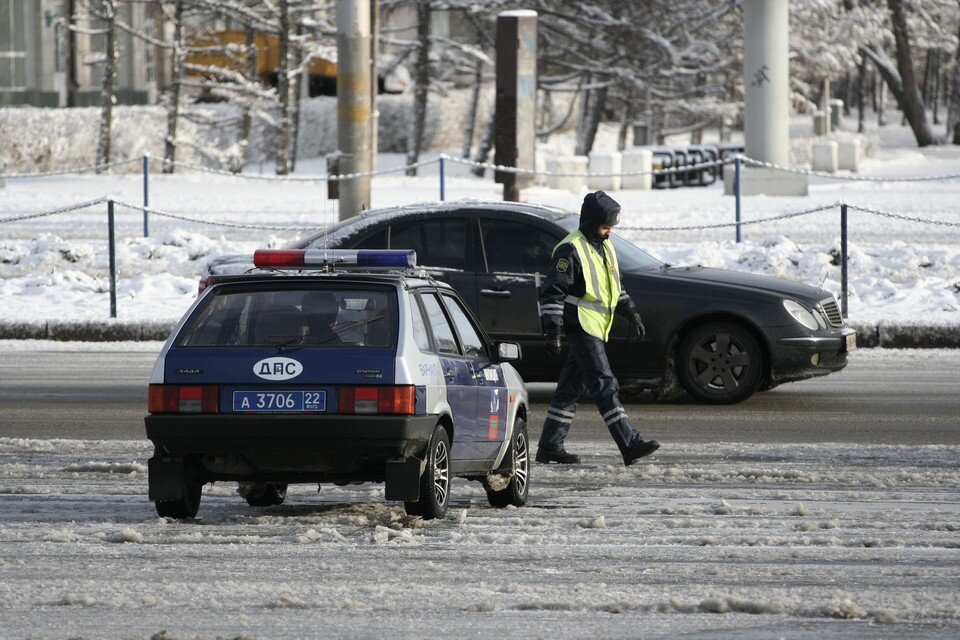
(822, 280)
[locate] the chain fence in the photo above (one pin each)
(844, 206)
(442, 158)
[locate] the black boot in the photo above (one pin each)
(640, 450)
(560, 456)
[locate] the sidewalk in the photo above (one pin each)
(883, 335)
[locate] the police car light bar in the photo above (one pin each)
(361, 259)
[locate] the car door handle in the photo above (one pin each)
(496, 293)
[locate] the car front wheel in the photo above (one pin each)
(516, 492)
(435, 481)
(720, 363)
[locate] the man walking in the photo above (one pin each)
(580, 294)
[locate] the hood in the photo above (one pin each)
(742, 280)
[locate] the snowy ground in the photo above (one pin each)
(56, 267)
(738, 540)
(734, 540)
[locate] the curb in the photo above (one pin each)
(884, 336)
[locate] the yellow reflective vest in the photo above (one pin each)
(601, 283)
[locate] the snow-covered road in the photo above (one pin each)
(735, 540)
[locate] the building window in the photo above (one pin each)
(13, 54)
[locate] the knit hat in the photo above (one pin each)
(598, 209)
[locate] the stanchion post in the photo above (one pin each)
(843, 260)
(737, 162)
(443, 188)
(113, 260)
(146, 194)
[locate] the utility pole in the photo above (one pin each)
(766, 121)
(354, 90)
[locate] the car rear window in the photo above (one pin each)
(295, 317)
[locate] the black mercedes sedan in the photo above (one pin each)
(720, 335)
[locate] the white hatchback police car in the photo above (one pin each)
(329, 375)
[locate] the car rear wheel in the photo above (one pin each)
(516, 492)
(262, 494)
(720, 363)
(435, 481)
(189, 503)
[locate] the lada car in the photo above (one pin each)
(300, 372)
(719, 335)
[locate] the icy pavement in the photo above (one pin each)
(734, 540)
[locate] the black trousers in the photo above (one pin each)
(587, 369)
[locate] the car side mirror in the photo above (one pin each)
(508, 352)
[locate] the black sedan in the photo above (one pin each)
(720, 335)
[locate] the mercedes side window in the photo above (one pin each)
(420, 335)
(473, 346)
(376, 240)
(442, 331)
(516, 247)
(438, 243)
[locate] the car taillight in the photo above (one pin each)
(175, 398)
(390, 400)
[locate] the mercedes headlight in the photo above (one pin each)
(801, 314)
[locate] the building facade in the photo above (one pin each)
(48, 59)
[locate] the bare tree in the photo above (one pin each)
(953, 110)
(422, 90)
(176, 80)
(106, 11)
(911, 102)
(283, 89)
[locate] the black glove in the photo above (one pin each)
(553, 344)
(637, 331)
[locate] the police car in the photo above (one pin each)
(349, 368)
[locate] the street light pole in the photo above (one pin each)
(354, 101)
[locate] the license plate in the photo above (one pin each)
(280, 401)
(851, 341)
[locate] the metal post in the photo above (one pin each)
(113, 260)
(442, 182)
(737, 162)
(146, 194)
(843, 260)
(354, 132)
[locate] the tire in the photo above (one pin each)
(720, 363)
(262, 494)
(189, 504)
(435, 481)
(517, 491)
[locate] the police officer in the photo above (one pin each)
(580, 294)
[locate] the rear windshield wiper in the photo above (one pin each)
(351, 325)
(286, 343)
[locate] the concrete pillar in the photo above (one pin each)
(849, 153)
(637, 159)
(836, 114)
(766, 71)
(354, 133)
(819, 124)
(605, 163)
(767, 80)
(567, 164)
(825, 156)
